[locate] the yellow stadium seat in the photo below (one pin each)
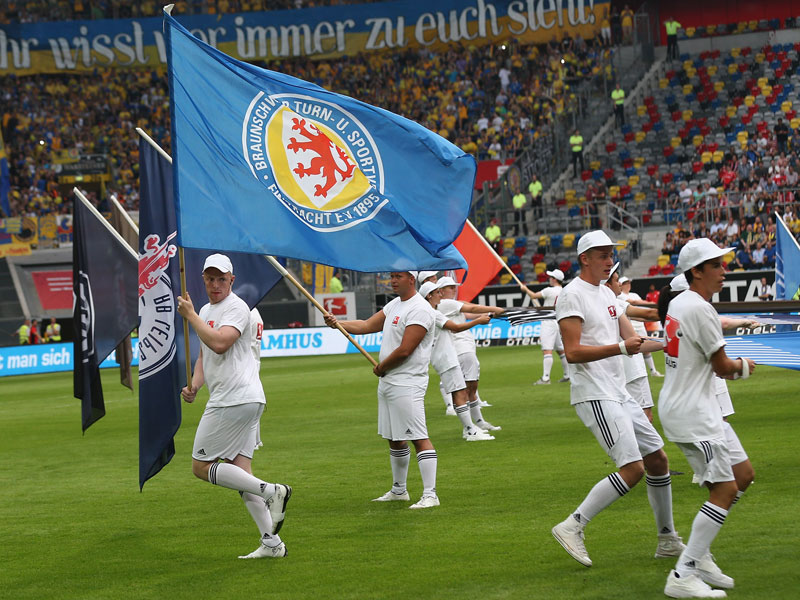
(622, 243)
(786, 106)
(687, 64)
(719, 155)
(762, 81)
(613, 191)
(641, 110)
(697, 140)
(690, 31)
(752, 25)
(663, 260)
(795, 123)
(594, 165)
(705, 157)
(719, 86)
(640, 135)
(687, 114)
(639, 197)
(675, 142)
(730, 112)
(544, 240)
(569, 194)
(638, 162)
(711, 29)
(742, 136)
(540, 267)
(687, 89)
(759, 58)
(712, 70)
(732, 68)
(505, 278)
(505, 259)
(691, 72)
(508, 243)
(728, 258)
(633, 180)
(749, 100)
(766, 90)
(735, 52)
(663, 83)
(568, 240)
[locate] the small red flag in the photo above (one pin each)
(482, 260)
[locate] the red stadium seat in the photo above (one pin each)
(651, 169)
(611, 147)
(586, 175)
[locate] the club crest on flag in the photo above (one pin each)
(315, 158)
(156, 306)
(86, 308)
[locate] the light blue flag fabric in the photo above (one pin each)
(787, 263)
(270, 164)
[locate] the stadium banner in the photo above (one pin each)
(787, 267)
(48, 358)
(342, 305)
(318, 32)
(739, 286)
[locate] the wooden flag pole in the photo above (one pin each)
(278, 266)
(186, 345)
(494, 252)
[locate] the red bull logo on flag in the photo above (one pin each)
(156, 306)
(314, 158)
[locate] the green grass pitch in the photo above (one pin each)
(74, 524)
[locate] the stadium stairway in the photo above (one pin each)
(11, 316)
(652, 242)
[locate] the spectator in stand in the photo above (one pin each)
(669, 244)
(672, 26)
(535, 189)
(742, 259)
(769, 255)
(732, 229)
(576, 144)
(652, 294)
(781, 131)
(35, 336)
(618, 99)
(520, 202)
(605, 29)
(764, 290)
(627, 25)
(758, 256)
(493, 235)
(616, 26)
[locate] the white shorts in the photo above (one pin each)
(640, 390)
(401, 412)
(710, 460)
(224, 432)
(453, 380)
(470, 366)
(550, 336)
(621, 428)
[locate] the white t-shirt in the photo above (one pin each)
(688, 404)
(415, 311)
(633, 366)
(596, 306)
(443, 355)
(463, 341)
(256, 331)
(638, 326)
(550, 295)
(232, 377)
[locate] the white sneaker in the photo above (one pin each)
(276, 504)
(484, 404)
(486, 426)
(475, 434)
(426, 502)
(656, 374)
(669, 545)
(709, 572)
(542, 381)
(690, 586)
(571, 538)
(390, 496)
(450, 411)
(265, 551)
(564, 380)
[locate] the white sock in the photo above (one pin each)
(399, 460)
(448, 398)
(232, 477)
(463, 414)
(705, 528)
(427, 469)
(478, 396)
(258, 511)
(547, 364)
(659, 493)
(602, 495)
(739, 495)
(564, 364)
(648, 360)
(475, 411)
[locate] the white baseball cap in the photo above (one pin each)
(595, 239)
(556, 274)
(610, 273)
(698, 251)
(427, 288)
(423, 275)
(679, 283)
(623, 279)
(446, 281)
(413, 274)
(220, 262)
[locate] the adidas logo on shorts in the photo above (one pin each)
(201, 452)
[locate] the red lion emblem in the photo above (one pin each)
(325, 163)
(155, 260)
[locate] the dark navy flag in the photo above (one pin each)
(272, 164)
(103, 281)
(162, 358)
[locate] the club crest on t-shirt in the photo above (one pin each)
(210, 324)
(396, 320)
(672, 332)
(612, 310)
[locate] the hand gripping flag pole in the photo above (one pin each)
(278, 267)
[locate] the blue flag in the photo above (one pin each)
(103, 275)
(162, 357)
(787, 263)
(5, 180)
(271, 164)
